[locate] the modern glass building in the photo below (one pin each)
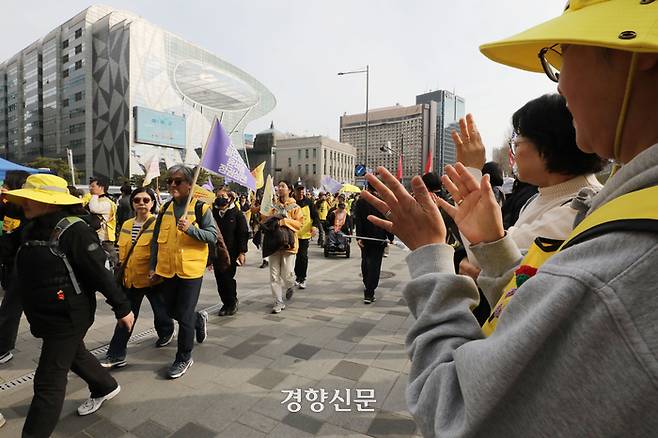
(449, 109)
(117, 90)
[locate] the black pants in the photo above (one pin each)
(321, 233)
(164, 325)
(10, 317)
(181, 297)
(301, 262)
(227, 287)
(371, 266)
(58, 356)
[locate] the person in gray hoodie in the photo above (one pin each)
(575, 352)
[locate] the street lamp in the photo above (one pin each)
(367, 72)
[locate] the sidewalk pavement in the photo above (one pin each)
(327, 344)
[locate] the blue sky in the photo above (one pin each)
(296, 47)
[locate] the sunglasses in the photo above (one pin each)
(174, 181)
(141, 200)
(551, 59)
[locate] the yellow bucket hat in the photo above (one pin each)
(49, 189)
(617, 24)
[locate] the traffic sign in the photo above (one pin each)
(359, 170)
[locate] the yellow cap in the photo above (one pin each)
(617, 24)
(49, 189)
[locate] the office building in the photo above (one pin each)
(117, 90)
(450, 108)
(395, 131)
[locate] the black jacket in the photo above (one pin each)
(233, 226)
(49, 299)
(124, 212)
(364, 227)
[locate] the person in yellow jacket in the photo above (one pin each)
(309, 229)
(134, 257)
(106, 210)
(282, 261)
(179, 251)
(322, 206)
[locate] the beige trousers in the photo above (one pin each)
(282, 264)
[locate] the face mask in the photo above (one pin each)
(221, 202)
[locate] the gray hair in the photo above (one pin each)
(187, 173)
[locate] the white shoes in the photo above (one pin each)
(2, 420)
(278, 307)
(91, 405)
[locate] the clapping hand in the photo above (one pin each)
(468, 143)
(415, 220)
(476, 211)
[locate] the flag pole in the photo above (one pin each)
(198, 168)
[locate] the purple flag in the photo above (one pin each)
(330, 184)
(222, 158)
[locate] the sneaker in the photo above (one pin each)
(91, 405)
(201, 326)
(228, 311)
(2, 420)
(265, 264)
(6, 357)
(278, 307)
(113, 362)
(369, 300)
(163, 341)
(178, 368)
(289, 293)
(302, 284)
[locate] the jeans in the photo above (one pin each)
(281, 276)
(10, 318)
(58, 356)
(371, 266)
(321, 232)
(226, 284)
(181, 296)
(164, 325)
(301, 261)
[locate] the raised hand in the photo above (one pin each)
(476, 211)
(416, 221)
(468, 143)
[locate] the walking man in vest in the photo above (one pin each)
(233, 225)
(322, 206)
(179, 251)
(102, 206)
(308, 230)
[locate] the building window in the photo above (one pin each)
(78, 65)
(78, 33)
(65, 59)
(314, 167)
(65, 44)
(289, 161)
(305, 169)
(65, 73)
(78, 48)
(65, 103)
(306, 156)
(299, 170)
(315, 154)
(78, 96)
(299, 154)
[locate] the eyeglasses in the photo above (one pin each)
(514, 142)
(174, 181)
(550, 60)
(144, 200)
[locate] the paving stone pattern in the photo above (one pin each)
(326, 341)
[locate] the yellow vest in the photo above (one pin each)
(9, 224)
(638, 207)
(137, 269)
(178, 253)
(307, 225)
(323, 210)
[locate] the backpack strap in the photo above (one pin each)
(635, 211)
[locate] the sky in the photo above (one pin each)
(296, 47)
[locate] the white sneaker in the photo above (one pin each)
(302, 285)
(278, 307)
(2, 420)
(91, 405)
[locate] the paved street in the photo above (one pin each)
(326, 339)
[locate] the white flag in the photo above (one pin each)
(152, 169)
(267, 203)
